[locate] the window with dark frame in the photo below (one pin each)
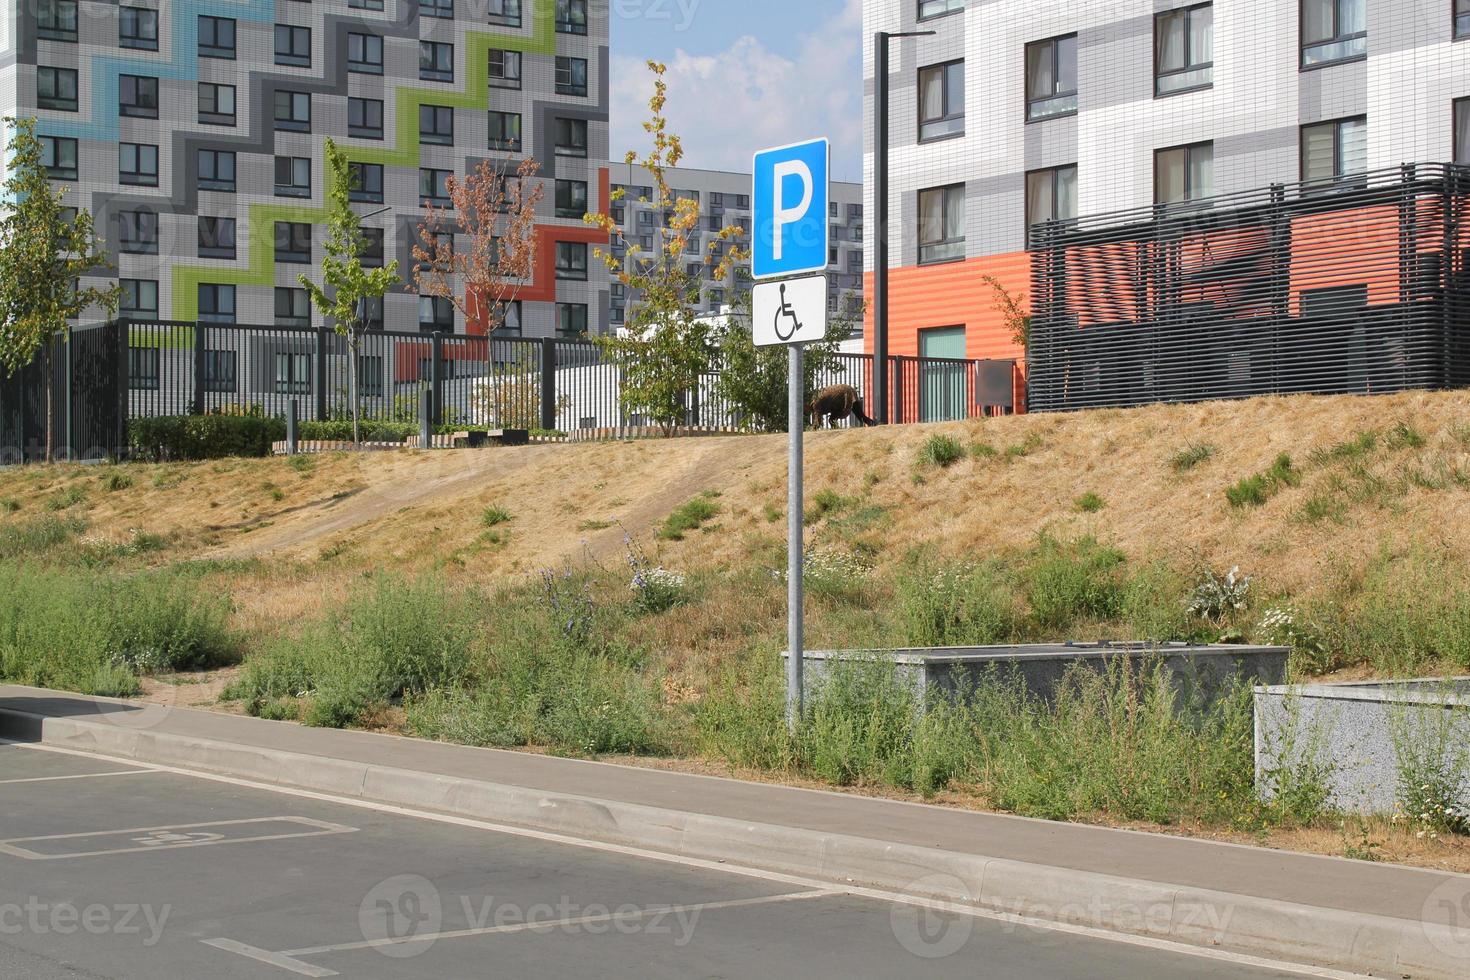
(942, 224)
(365, 182)
(137, 28)
(436, 314)
(139, 298)
(137, 96)
(1184, 49)
(137, 164)
(571, 198)
(434, 185)
(293, 177)
(571, 16)
(505, 69)
(365, 4)
(216, 237)
(505, 131)
(365, 53)
(437, 8)
(436, 125)
(1333, 150)
(216, 104)
(1462, 18)
(365, 118)
(571, 137)
(372, 249)
(293, 242)
(571, 319)
(293, 373)
(216, 302)
(436, 61)
(510, 319)
(137, 232)
(216, 37)
(293, 307)
(1462, 131)
(1334, 300)
(219, 371)
(942, 101)
(506, 13)
(56, 20)
(370, 375)
(571, 76)
(56, 88)
(1183, 174)
(217, 170)
(1333, 31)
(1051, 78)
(143, 368)
(293, 46)
(293, 111)
(930, 9)
(1051, 195)
(571, 260)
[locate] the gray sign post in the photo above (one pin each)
(795, 553)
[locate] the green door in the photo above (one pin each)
(942, 374)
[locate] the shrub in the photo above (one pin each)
(955, 604)
(115, 481)
(1191, 456)
(1433, 768)
(1069, 582)
(1217, 596)
(1254, 491)
(688, 517)
(1090, 503)
(655, 588)
(340, 430)
(941, 451)
(195, 437)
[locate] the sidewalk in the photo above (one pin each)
(1349, 915)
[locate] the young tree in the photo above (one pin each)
(1013, 312)
(664, 347)
(346, 285)
(45, 249)
(486, 238)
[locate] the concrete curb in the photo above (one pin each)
(1241, 923)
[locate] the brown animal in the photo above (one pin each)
(835, 403)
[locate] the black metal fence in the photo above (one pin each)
(1357, 285)
(140, 369)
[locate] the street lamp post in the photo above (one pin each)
(880, 200)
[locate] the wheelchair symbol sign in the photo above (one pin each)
(790, 312)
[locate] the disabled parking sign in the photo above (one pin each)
(791, 198)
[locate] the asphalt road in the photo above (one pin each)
(110, 870)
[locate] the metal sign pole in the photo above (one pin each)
(796, 423)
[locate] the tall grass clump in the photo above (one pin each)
(1256, 490)
(941, 451)
(1071, 582)
(689, 516)
(29, 540)
(1191, 456)
(955, 603)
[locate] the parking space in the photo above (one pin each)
(169, 875)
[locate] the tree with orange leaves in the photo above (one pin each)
(664, 347)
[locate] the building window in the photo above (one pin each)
(293, 177)
(216, 37)
(216, 104)
(1334, 300)
(571, 16)
(293, 307)
(293, 45)
(365, 53)
(56, 20)
(571, 260)
(1333, 30)
(372, 246)
(365, 118)
(1051, 195)
(436, 313)
(505, 131)
(436, 61)
(137, 232)
(1333, 150)
(437, 8)
(56, 88)
(571, 319)
(370, 375)
(571, 198)
(1184, 173)
(1184, 49)
(1462, 131)
(139, 298)
(216, 238)
(929, 9)
(293, 111)
(1051, 78)
(942, 224)
(137, 28)
(143, 368)
(1462, 18)
(365, 4)
(293, 373)
(219, 370)
(506, 13)
(293, 242)
(510, 319)
(505, 69)
(571, 137)
(365, 182)
(137, 96)
(436, 125)
(216, 302)
(217, 170)
(137, 164)
(571, 76)
(942, 101)
(434, 186)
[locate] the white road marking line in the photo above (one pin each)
(1091, 932)
(81, 775)
(274, 959)
(168, 837)
(560, 923)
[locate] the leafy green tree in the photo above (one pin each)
(45, 249)
(753, 379)
(664, 347)
(346, 285)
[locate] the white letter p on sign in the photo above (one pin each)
(785, 215)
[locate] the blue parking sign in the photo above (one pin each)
(791, 195)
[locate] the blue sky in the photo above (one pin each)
(743, 74)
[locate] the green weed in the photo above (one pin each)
(1191, 457)
(690, 516)
(941, 451)
(1256, 490)
(1090, 503)
(494, 516)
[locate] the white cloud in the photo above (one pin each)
(727, 105)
